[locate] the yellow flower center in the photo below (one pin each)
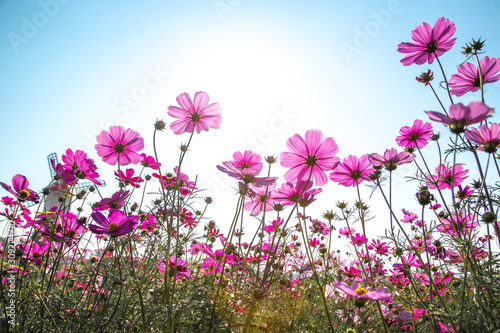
(25, 193)
(113, 227)
(361, 291)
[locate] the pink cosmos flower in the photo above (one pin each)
(351, 272)
(211, 266)
(467, 78)
(429, 42)
(361, 294)
(21, 191)
(149, 162)
(415, 136)
(447, 177)
(149, 223)
(34, 252)
(425, 77)
(65, 175)
(275, 224)
(117, 223)
(461, 222)
(313, 242)
(117, 201)
(391, 159)
(170, 180)
(396, 313)
(310, 158)
(463, 192)
(263, 197)
(290, 194)
(487, 137)
(380, 247)
(119, 144)
(79, 165)
(178, 266)
(68, 227)
(346, 231)
(352, 171)
(8, 201)
(248, 175)
(443, 328)
(248, 159)
(194, 114)
(128, 178)
(461, 116)
(409, 216)
(358, 239)
(319, 227)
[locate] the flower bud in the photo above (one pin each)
(489, 217)
(258, 293)
(160, 125)
(271, 159)
(424, 197)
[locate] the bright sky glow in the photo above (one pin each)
(71, 69)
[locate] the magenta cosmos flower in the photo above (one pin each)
(488, 138)
(149, 162)
(352, 171)
(79, 164)
(68, 228)
(309, 159)
(117, 223)
(391, 159)
(415, 136)
(194, 114)
(21, 191)
(461, 116)
(178, 266)
(362, 295)
(467, 78)
(117, 201)
(429, 42)
(128, 178)
(119, 144)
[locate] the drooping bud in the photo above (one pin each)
(424, 197)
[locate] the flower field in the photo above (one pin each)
(151, 258)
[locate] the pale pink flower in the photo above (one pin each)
(461, 116)
(391, 159)
(362, 295)
(196, 114)
(248, 175)
(263, 198)
(447, 177)
(487, 137)
(352, 171)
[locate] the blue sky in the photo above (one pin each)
(70, 69)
